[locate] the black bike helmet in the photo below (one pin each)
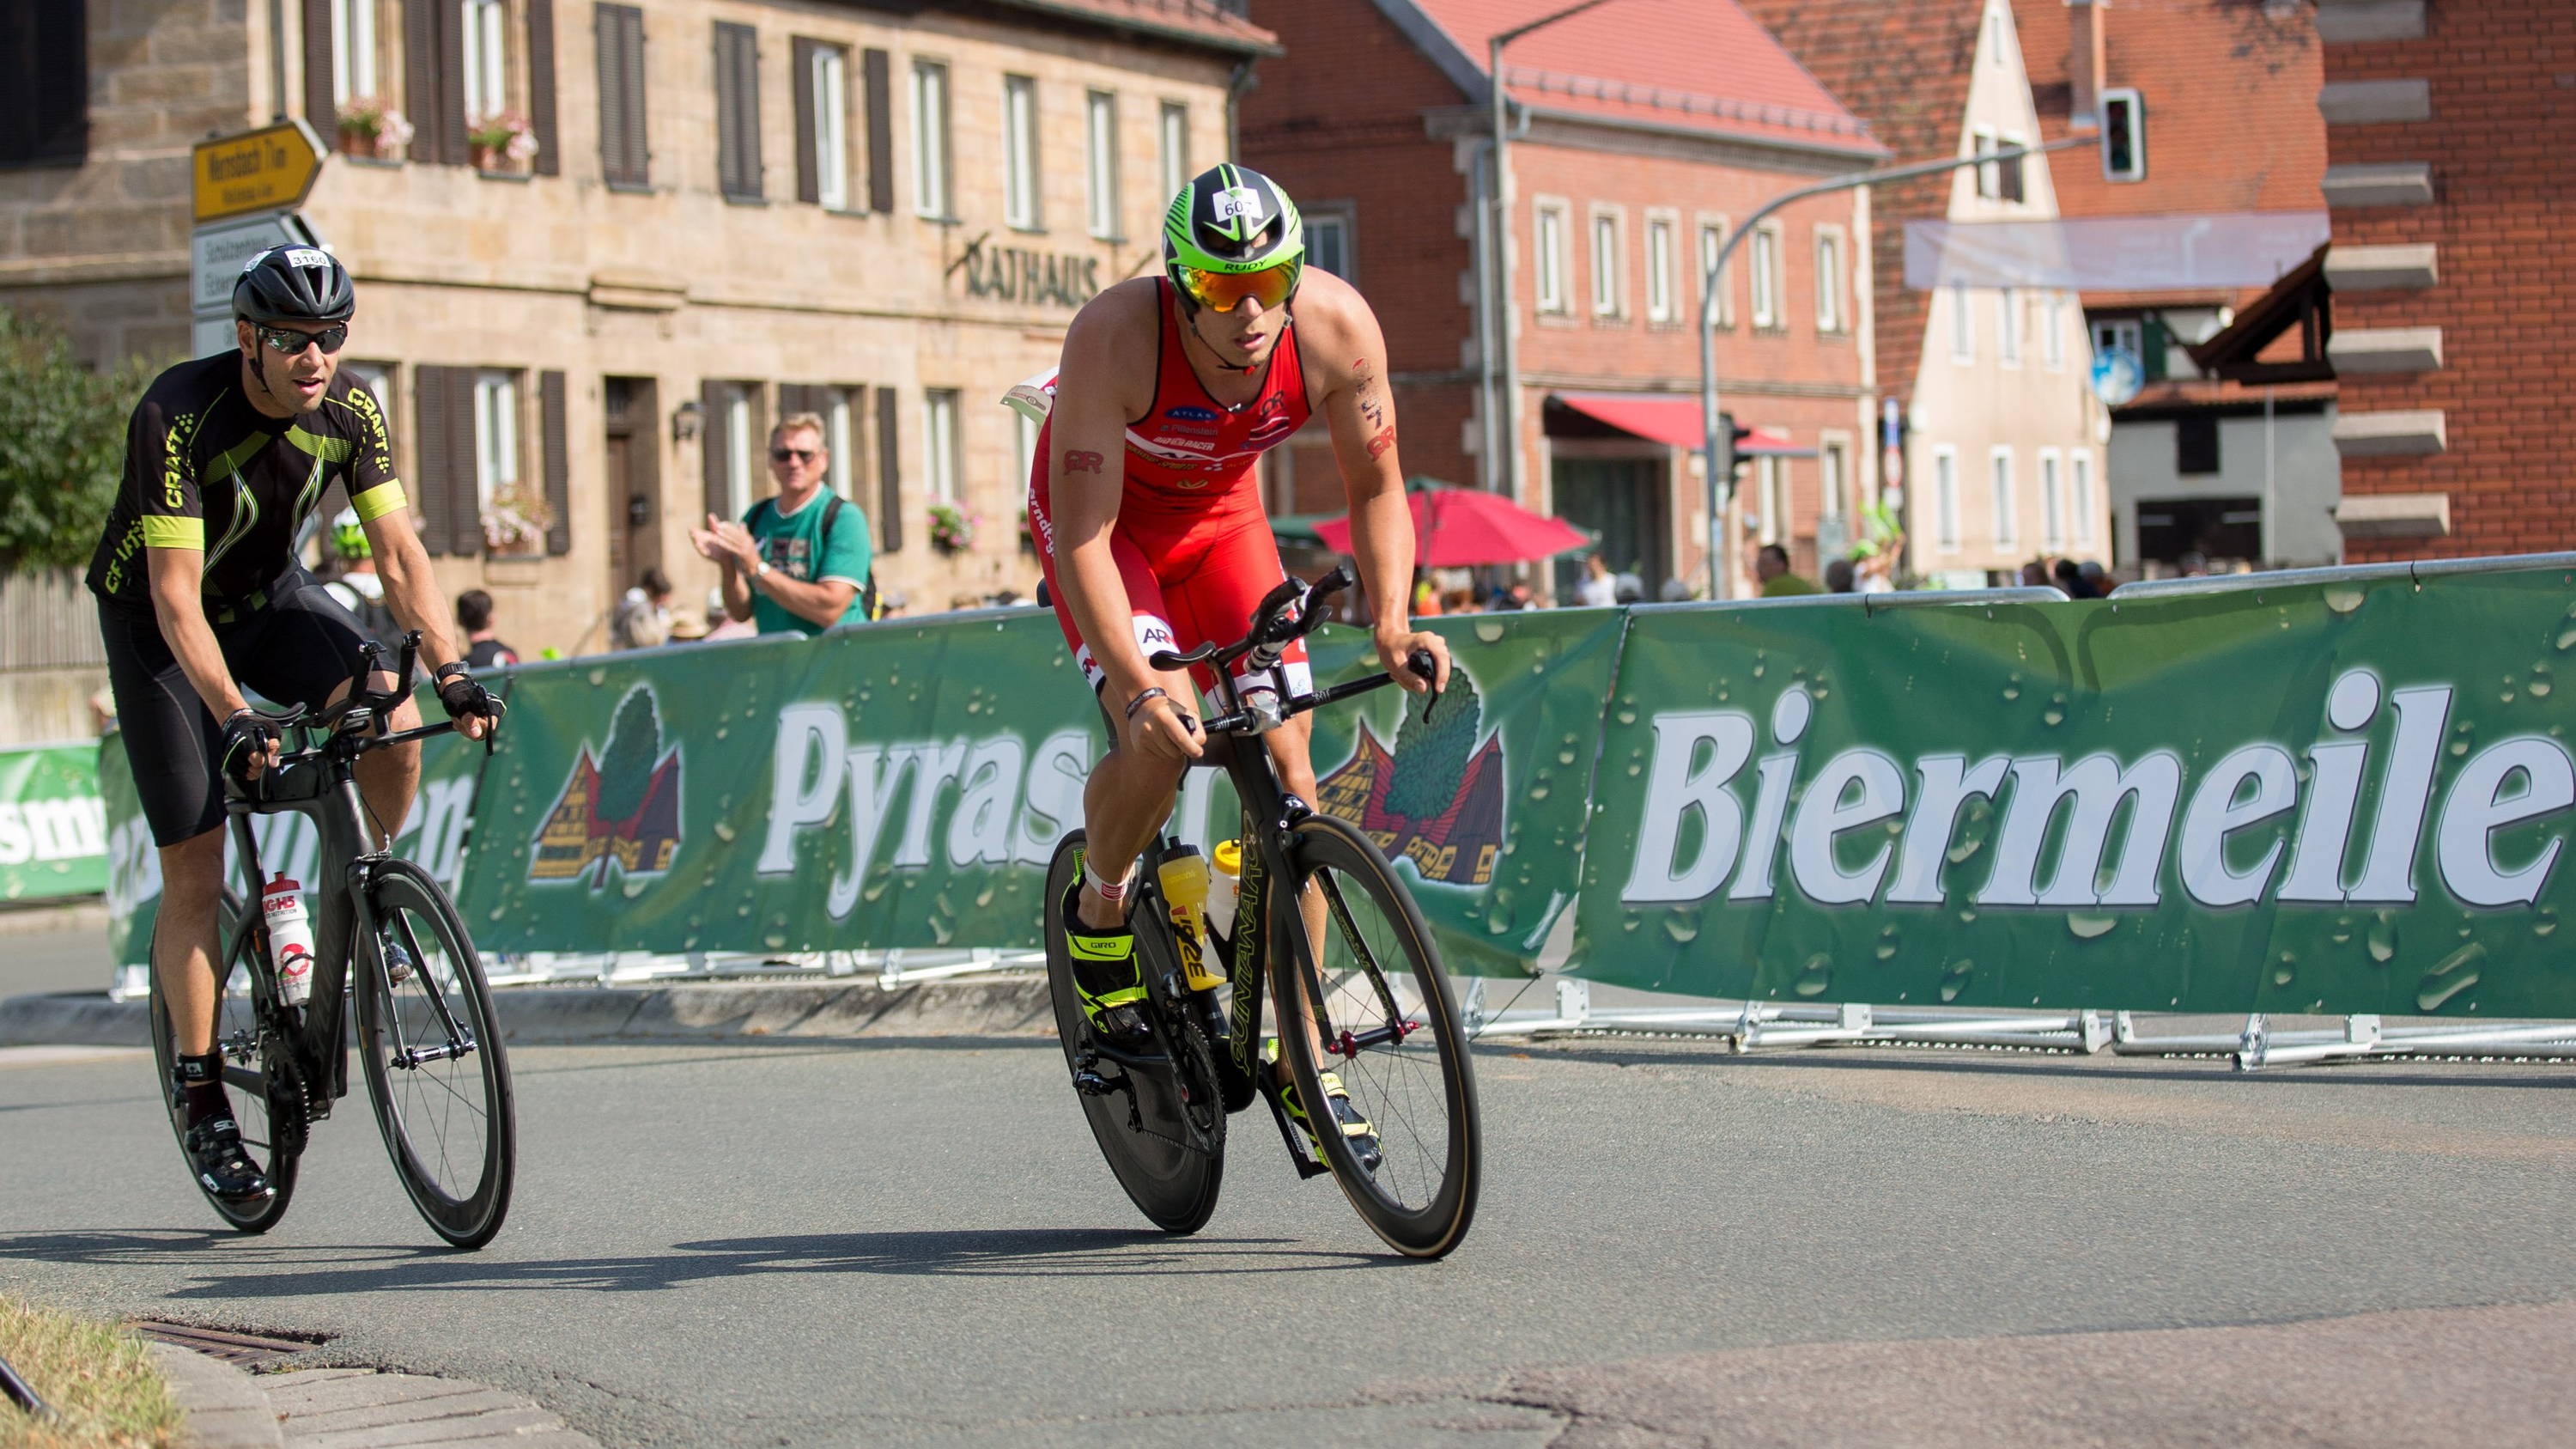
(294, 284)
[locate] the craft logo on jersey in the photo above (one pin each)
(619, 807)
(1436, 799)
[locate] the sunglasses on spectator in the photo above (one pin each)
(801, 455)
(291, 342)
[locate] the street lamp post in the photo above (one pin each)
(1502, 374)
(1721, 481)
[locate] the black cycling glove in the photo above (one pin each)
(462, 695)
(248, 735)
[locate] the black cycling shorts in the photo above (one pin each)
(298, 650)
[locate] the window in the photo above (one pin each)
(2081, 499)
(1995, 37)
(2196, 444)
(1770, 485)
(1549, 226)
(624, 160)
(2125, 333)
(2052, 501)
(2009, 170)
(44, 85)
(496, 436)
(1766, 276)
(487, 29)
(1175, 145)
(353, 50)
(841, 436)
(2006, 529)
(1945, 497)
(827, 80)
(2124, 135)
(1659, 269)
(1990, 175)
(1100, 137)
(739, 442)
(737, 111)
(1963, 325)
(930, 193)
(1833, 464)
(2052, 341)
(939, 443)
(1020, 152)
(1829, 280)
(1328, 240)
(2008, 327)
(1608, 293)
(1712, 241)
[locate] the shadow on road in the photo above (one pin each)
(231, 1267)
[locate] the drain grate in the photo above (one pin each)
(248, 1350)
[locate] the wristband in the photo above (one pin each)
(452, 666)
(1157, 692)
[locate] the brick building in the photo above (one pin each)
(1641, 130)
(1999, 436)
(2210, 110)
(2445, 177)
(735, 209)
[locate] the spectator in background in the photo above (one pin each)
(642, 619)
(798, 562)
(1840, 578)
(354, 582)
(1771, 566)
(482, 649)
(1597, 589)
(718, 627)
(2098, 577)
(2070, 579)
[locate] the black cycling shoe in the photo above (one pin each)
(214, 1149)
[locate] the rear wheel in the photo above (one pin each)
(247, 1048)
(435, 1066)
(1159, 1121)
(1389, 1030)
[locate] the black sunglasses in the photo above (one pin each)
(801, 455)
(291, 342)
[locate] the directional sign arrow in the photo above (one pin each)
(270, 169)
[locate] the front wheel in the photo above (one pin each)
(435, 1066)
(1389, 1031)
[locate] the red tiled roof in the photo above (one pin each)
(1200, 20)
(1696, 64)
(2230, 91)
(1904, 68)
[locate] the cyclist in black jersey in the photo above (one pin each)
(199, 587)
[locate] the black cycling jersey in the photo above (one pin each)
(205, 470)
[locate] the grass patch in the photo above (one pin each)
(100, 1379)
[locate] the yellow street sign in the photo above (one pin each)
(270, 169)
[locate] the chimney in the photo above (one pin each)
(2084, 21)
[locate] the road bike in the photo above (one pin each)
(1359, 991)
(425, 1033)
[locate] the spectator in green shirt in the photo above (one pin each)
(798, 561)
(1771, 566)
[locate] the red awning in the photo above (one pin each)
(1673, 421)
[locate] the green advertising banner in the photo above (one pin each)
(2338, 797)
(434, 834)
(53, 826)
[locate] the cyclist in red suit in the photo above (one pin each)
(1148, 515)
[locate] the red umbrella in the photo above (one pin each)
(1463, 527)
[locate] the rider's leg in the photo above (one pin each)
(1128, 798)
(388, 779)
(183, 938)
(1292, 756)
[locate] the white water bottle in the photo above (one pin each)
(290, 939)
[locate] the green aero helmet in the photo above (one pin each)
(1231, 234)
(349, 537)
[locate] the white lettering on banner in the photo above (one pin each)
(1057, 772)
(934, 765)
(51, 830)
(17, 846)
(133, 867)
(873, 772)
(813, 740)
(2542, 782)
(440, 819)
(2067, 817)
(980, 832)
(1674, 788)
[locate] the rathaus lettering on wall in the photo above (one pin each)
(1023, 276)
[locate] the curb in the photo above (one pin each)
(224, 1409)
(227, 1407)
(712, 1011)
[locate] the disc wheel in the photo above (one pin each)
(1160, 1123)
(247, 1049)
(1390, 1032)
(435, 1065)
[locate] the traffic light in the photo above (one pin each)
(1731, 457)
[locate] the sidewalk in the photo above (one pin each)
(342, 1408)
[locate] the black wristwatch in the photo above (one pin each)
(452, 666)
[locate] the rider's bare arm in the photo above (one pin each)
(412, 592)
(179, 602)
(1107, 378)
(1346, 355)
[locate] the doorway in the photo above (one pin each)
(634, 466)
(1624, 501)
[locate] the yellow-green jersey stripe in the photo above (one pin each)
(160, 532)
(380, 500)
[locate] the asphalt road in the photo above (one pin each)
(52, 958)
(916, 1244)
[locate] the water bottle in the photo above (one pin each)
(1184, 878)
(290, 939)
(1224, 883)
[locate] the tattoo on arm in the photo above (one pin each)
(1379, 444)
(1079, 461)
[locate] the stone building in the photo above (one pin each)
(599, 247)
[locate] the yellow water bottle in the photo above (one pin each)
(1184, 878)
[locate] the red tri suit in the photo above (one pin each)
(1192, 542)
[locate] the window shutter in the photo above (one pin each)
(44, 85)
(880, 86)
(738, 110)
(2012, 181)
(429, 452)
(464, 450)
(541, 85)
(809, 174)
(558, 462)
(320, 110)
(714, 446)
(2152, 341)
(887, 526)
(623, 159)
(420, 87)
(452, 145)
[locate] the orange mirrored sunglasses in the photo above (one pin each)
(1224, 291)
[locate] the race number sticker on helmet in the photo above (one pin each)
(306, 257)
(1240, 201)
